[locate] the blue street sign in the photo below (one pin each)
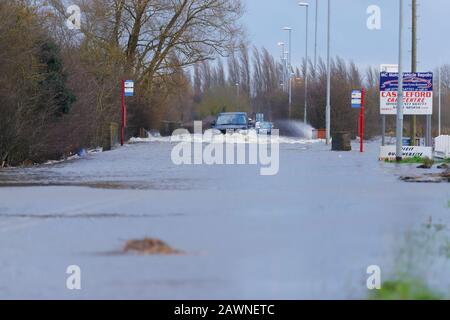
(129, 88)
(416, 82)
(356, 99)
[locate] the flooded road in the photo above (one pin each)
(309, 232)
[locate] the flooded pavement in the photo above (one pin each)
(309, 232)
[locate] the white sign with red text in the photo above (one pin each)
(417, 93)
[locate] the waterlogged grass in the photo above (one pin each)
(438, 227)
(445, 249)
(405, 289)
(414, 160)
(418, 253)
(420, 160)
(426, 162)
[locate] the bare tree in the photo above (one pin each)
(234, 76)
(146, 34)
(245, 69)
(206, 75)
(220, 73)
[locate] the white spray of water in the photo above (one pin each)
(292, 132)
(297, 129)
(235, 138)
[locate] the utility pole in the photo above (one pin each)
(428, 124)
(440, 84)
(328, 107)
(414, 65)
(399, 145)
(315, 34)
(290, 73)
(306, 69)
(305, 113)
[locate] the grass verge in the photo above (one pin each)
(419, 252)
(405, 289)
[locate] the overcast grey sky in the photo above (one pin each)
(351, 39)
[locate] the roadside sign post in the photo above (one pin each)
(416, 90)
(386, 68)
(122, 127)
(127, 91)
(361, 119)
(417, 93)
(358, 103)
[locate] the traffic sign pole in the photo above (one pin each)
(361, 120)
(127, 91)
(122, 134)
(358, 97)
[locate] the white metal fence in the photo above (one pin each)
(442, 147)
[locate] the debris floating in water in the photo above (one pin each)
(429, 178)
(150, 246)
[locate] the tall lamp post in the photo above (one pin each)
(237, 94)
(315, 34)
(328, 107)
(289, 68)
(286, 71)
(399, 145)
(440, 100)
(283, 64)
(306, 5)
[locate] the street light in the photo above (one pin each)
(328, 107)
(237, 94)
(281, 44)
(315, 34)
(286, 70)
(440, 102)
(399, 144)
(289, 67)
(306, 5)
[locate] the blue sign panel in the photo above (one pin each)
(129, 88)
(356, 99)
(422, 82)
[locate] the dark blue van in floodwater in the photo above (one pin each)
(231, 122)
